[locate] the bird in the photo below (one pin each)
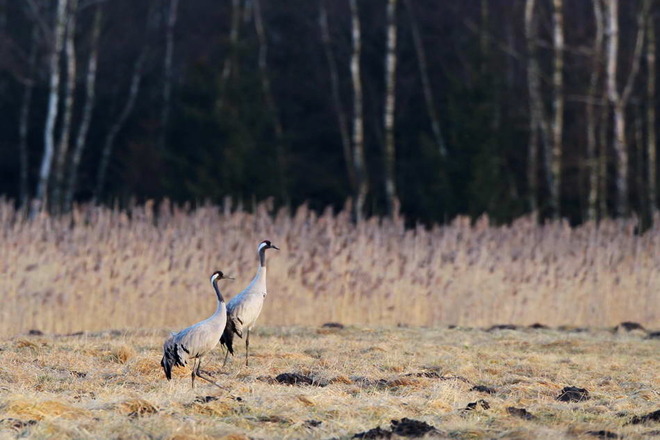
(244, 309)
(197, 340)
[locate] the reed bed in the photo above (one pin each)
(148, 267)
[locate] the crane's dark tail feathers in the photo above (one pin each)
(227, 338)
(171, 358)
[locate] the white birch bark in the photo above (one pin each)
(53, 101)
(358, 118)
(592, 159)
(390, 105)
(88, 107)
(557, 106)
(618, 100)
(69, 100)
(167, 72)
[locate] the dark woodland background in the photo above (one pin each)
(201, 100)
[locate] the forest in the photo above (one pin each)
(426, 108)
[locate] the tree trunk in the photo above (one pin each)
(592, 161)
(650, 116)
(390, 103)
(24, 121)
(230, 59)
(69, 98)
(118, 124)
(336, 95)
(53, 101)
(90, 91)
(167, 73)
(358, 119)
(557, 106)
(426, 83)
(537, 122)
(618, 100)
(270, 100)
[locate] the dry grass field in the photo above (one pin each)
(108, 385)
(416, 304)
(148, 268)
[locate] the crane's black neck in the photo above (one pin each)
(217, 291)
(262, 256)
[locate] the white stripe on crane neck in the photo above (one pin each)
(261, 246)
(214, 277)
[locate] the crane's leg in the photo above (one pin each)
(247, 347)
(192, 375)
(198, 372)
(226, 356)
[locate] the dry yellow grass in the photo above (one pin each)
(100, 269)
(72, 387)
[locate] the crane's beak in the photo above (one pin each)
(228, 278)
(274, 247)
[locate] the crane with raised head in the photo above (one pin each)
(197, 340)
(244, 309)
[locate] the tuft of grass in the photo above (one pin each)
(122, 353)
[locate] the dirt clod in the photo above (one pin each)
(297, 379)
(337, 325)
(375, 433)
(35, 332)
(520, 412)
(411, 428)
(502, 327)
(16, 424)
(313, 423)
(629, 326)
(205, 399)
(650, 417)
(573, 394)
(483, 389)
(538, 326)
(474, 405)
(603, 434)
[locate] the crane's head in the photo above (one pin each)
(266, 244)
(218, 275)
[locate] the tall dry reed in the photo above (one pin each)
(145, 268)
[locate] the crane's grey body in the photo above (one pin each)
(197, 340)
(244, 309)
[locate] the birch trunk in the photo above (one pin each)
(118, 124)
(358, 119)
(88, 107)
(557, 107)
(618, 100)
(24, 121)
(336, 95)
(426, 83)
(53, 101)
(390, 105)
(233, 43)
(167, 71)
(69, 99)
(650, 116)
(538, 126)
(270, 99)
(592, 160)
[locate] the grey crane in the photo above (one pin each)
(244, 309)
(197, 340)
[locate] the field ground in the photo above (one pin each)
(110, 385)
